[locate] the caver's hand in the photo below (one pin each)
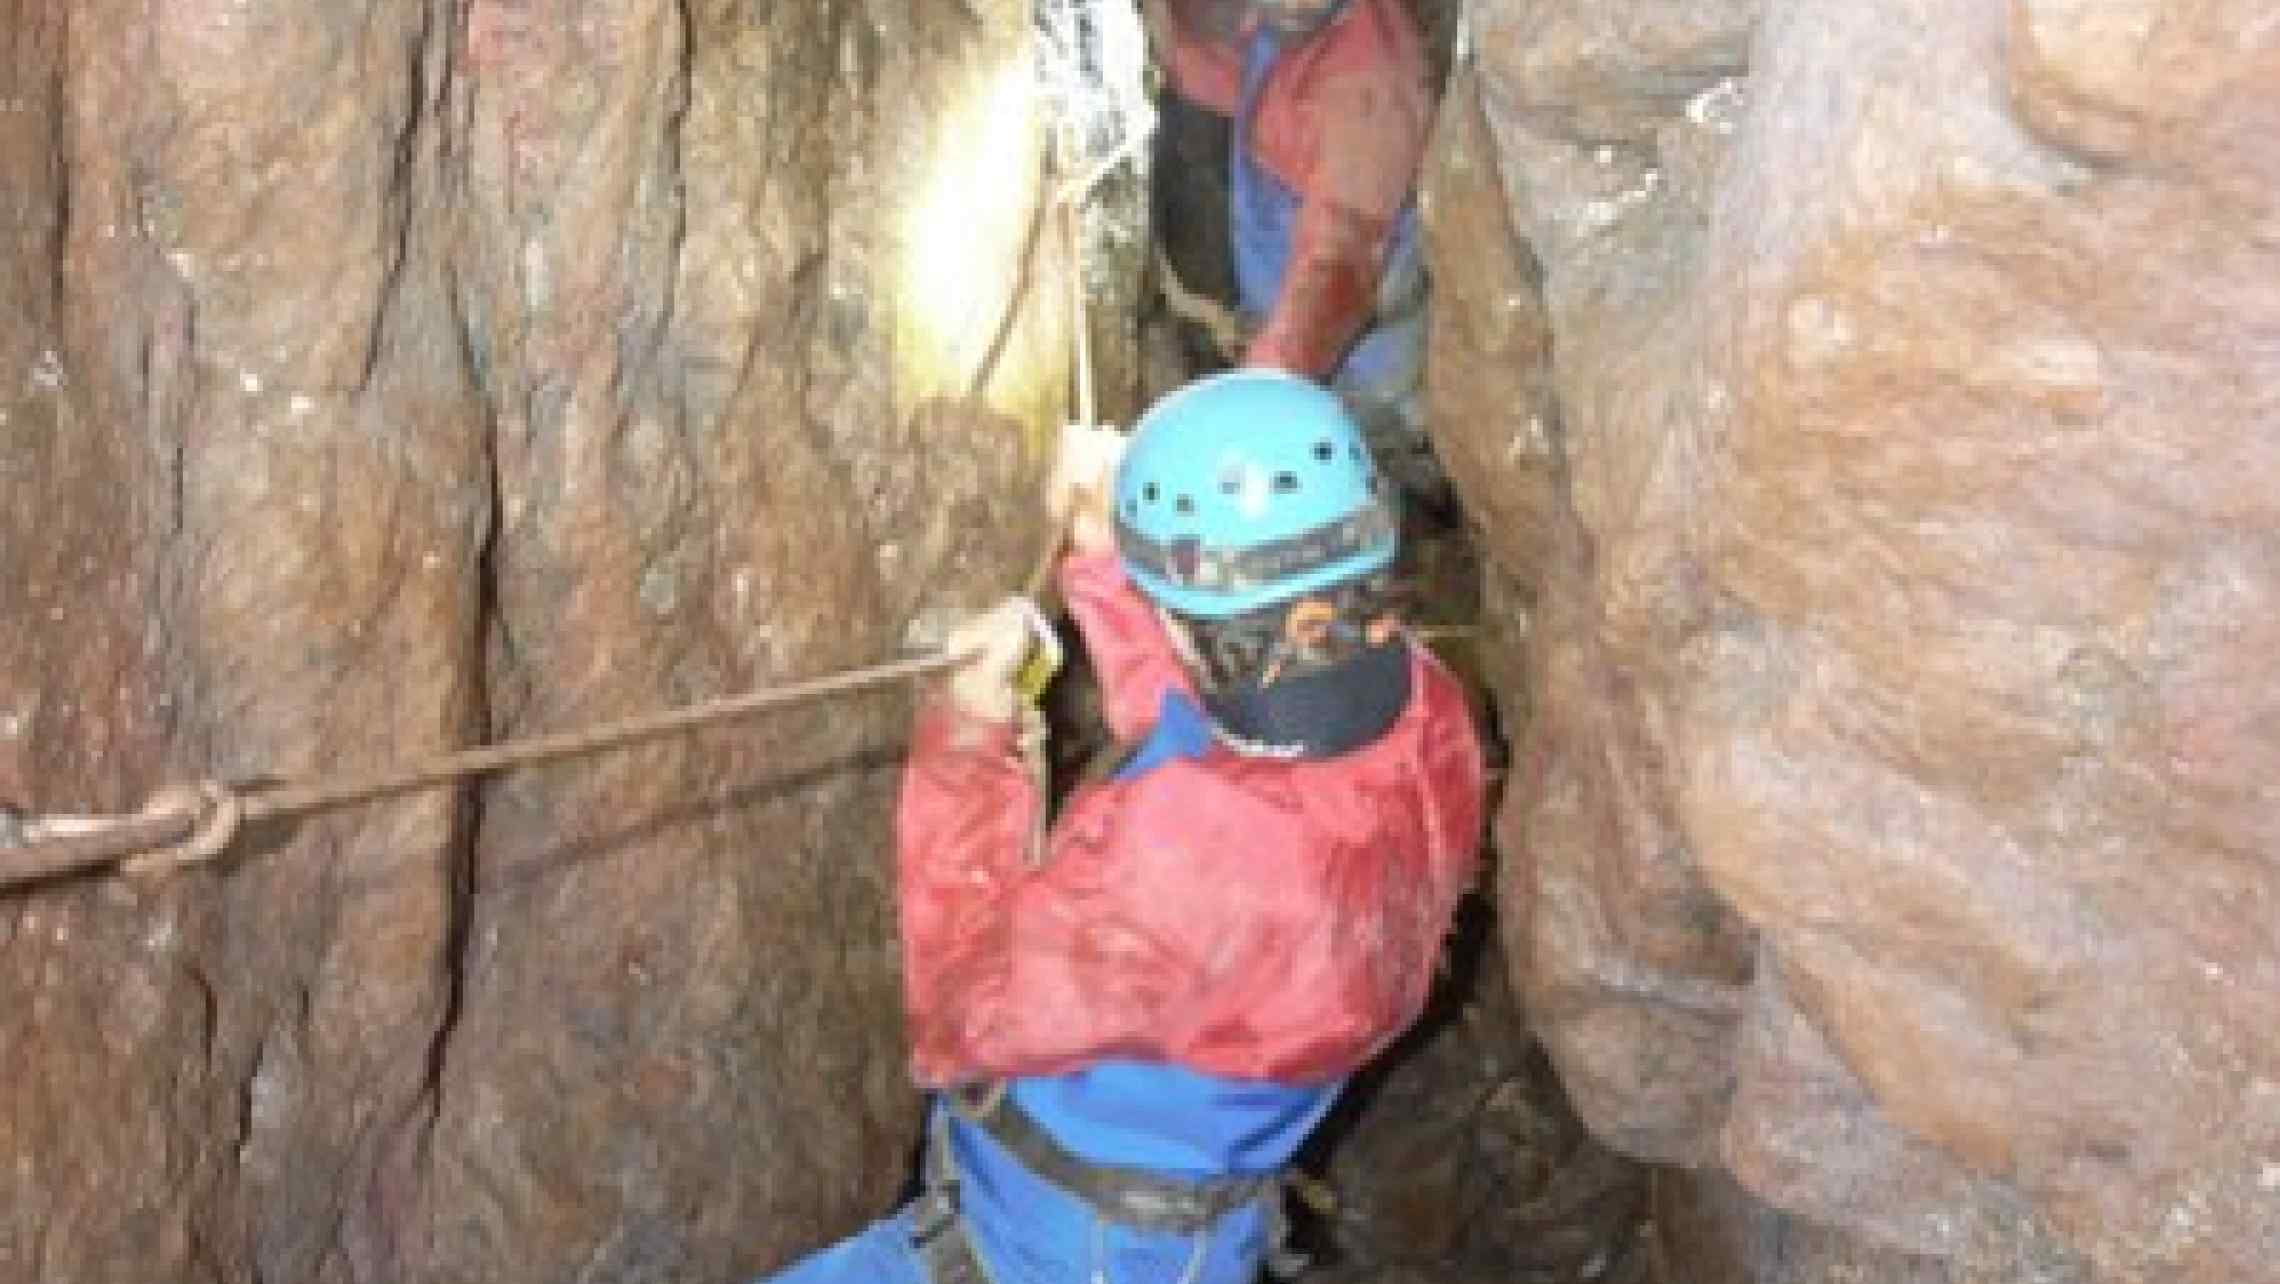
(997, 641)
(1084, 475)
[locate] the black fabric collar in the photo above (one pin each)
(1320, 714)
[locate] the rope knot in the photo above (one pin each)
(215, 810)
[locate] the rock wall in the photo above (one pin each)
(384, 376)
(1873, 403)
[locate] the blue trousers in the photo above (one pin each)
(882, 1254)
(1028, 1231)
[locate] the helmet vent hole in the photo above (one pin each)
(1184, 506)
(1286, 483)
(1230, 485)
(1324, 452)
(1150, 493)
(1356, 451)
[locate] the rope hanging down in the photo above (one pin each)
(186, 826)
(1090, 59)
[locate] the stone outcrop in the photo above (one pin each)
(1886, 458)
(386, 377)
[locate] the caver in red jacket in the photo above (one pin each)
(1329, 133)
(1240, 916)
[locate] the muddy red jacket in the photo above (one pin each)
(1337, 123)
(1240, 916)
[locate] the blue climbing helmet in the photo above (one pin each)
(1248, 489)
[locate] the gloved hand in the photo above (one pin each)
(998, 641)
(1083, 479)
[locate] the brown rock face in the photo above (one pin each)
(1711, 1231)
(1633, 969)
(381, 378)
(1891, 830)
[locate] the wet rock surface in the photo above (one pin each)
(1894, 564)
(386, 378)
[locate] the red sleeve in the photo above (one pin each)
(1000, 959)
(1125, 641)
(1363, 93)
(1328, 293)
(1010, 970)
(961, 825)
(1204, 68)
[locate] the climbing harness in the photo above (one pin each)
(1127, 1196)
(945, 1248)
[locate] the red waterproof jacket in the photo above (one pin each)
(1240, 916)
(1342, 122)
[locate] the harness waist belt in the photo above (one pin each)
(1128, 1196)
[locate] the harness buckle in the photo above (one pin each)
(932, 1215)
